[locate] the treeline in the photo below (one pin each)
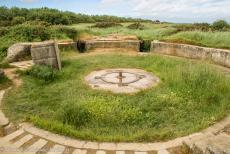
(13, 16)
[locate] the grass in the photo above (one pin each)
(190, 97)
(164, 32)
(208, 39)
(5, 82)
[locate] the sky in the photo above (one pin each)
(182, 11)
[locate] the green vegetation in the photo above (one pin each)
(32, 31)
(14, 16)
(191, 96)
(207, 39)
(4, 82)
(43, 73)
(221, 25)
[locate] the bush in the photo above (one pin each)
(107, 25)
(193, 27)
(18, 20)
(70, 32)
(43, 73)
(3, 31)
(32, 31)
(137, 25)
(220, 25)
(202, 26)
(75, 115)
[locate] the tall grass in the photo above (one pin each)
(209, 39)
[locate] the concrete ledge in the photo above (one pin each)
(218, 56)
(130, 45)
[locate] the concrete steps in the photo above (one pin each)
(20, 141)
(209, 144)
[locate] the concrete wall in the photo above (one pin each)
(46, 53)
(18, 51)
(218, 56)
(131, 45)
(67, 45)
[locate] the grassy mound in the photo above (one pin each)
(190, 97)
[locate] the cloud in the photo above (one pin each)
(28, 1)
(195, 10)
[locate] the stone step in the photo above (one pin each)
(140, 153)
(163, 152)
(9, 129)
(34, 148)
(100, 152)
(13, 135)
(79, 151)
(219, 144)
(120, 152)
(22, 141)
(57, 149)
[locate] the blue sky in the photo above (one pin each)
(164, 10)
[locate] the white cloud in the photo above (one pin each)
(190, 10)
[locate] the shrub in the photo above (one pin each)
(3, 31)
(75, 115)
(70, 32)
(32, 31)
(193, 27)
(107, 25)
(220, 25)
(202, 26)
(137, 25)
(38, 23)
(43, 73)
(18, 20)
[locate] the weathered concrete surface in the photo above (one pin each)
(46, 53)
(18, 52)
(62, 45)
(218, 56)
(122, 80)
(114, 41)
(129, 45)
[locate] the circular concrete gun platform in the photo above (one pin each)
(122, 80)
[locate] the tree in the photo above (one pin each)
(220, 25)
